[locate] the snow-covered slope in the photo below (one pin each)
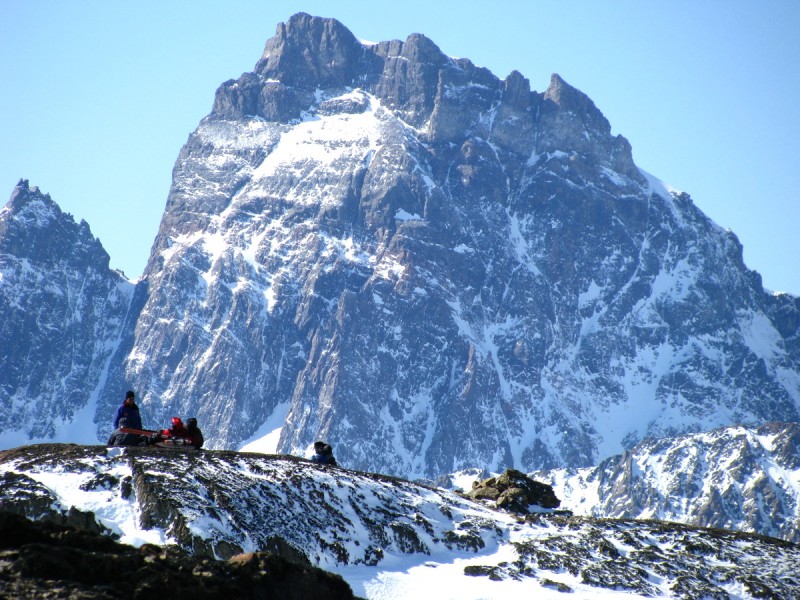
(744, 479)
(387, 537)
(62, 314)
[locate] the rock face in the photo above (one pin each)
(433, 269)
(204, 506)
(44, 560)
(732, 478)
(62, 312)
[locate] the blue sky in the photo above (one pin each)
(99, 96)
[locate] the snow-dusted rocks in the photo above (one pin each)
(62, 313)
(386, 537)
(744, 479)
(514, 491)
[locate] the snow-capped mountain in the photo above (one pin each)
(388, 538)
(437, 269)
(62, 314)
(730, 478)
(430, 267)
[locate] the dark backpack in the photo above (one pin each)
(327, 455)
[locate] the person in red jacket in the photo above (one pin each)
(179, 434)
(177, 431)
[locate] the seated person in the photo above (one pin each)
(195, 435)
(323, 454)
(178, 430)
(121, 438)
(179, 435)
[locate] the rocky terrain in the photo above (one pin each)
(193, 514)
(40, 559)
(744, 479)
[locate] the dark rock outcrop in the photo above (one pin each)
(514, 491)
(45, 560)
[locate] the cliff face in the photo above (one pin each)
(428, 266)
(434, 269)
(62, 312)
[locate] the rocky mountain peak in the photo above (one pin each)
(434, 269)
(62, 313)
(25, 194)
(310, 52)
(21, 192)
(420, 49)
(437, 268)
(34, 227)
(450, 100)
(571, 99)
(570, 122)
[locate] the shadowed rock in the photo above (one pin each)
(515, 492)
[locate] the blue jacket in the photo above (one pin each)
(131, 413)
(323, 459)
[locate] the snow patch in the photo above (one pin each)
(402, 215)
(265, 440)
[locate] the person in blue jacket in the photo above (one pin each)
(129, 411)
(323, 454)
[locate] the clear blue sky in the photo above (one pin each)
(99, 96)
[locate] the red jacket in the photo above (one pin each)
(175, 432)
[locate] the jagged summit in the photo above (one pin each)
(22, 191)
(36, 228)
(415, 77)
(310, 52)
(62, 312)
(24, 194)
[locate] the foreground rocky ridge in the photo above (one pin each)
(218, 504)
(40, 559)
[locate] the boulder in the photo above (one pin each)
(514, 491)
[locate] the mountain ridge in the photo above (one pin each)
(735, 478)
(63, 310)
(435, 269)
